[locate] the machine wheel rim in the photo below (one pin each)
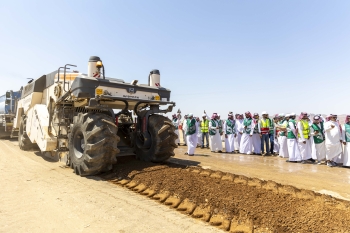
(78, 144)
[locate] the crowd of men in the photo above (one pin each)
(308, 139)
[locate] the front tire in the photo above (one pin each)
(93, 144)
(163, 138)
(23, 139)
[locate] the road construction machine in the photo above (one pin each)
(7, 112)
(89, 120)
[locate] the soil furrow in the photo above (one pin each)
(234, 202)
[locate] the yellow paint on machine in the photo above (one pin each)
(99, 91)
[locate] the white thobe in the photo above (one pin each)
(346, 156)
(320, 148)
(305, 149)
(313, 147)
(176, 124)
(333, 137)
(215, 140)
(223, 135)
(276, 144)
(192, 141)
(239, 130)
(199, 134)
(292, 144)
(256, 140)
(184, 129)
(246, 145)
(229, 141)
(282, 141)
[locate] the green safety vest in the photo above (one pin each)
(256, 128)
(212, 131)
(290, 134)
(246, 123)
(319, 138)
(283, 123)
(176, 123)
(205, 126)
(347, 132)
(191, 126)
(220, 126)
(230, 127)
(272, 126)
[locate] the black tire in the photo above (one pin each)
(93, 143)
(163, 138)
(23, 139)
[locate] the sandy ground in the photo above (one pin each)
(41, 196)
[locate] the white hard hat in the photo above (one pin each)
(292, 114)
(190, 115)
(264, 113)
(288, 115)
(204, 115)
(281, 114)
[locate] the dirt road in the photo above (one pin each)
(41, 196)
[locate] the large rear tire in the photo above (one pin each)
(163, 138)
(93, 143)
(23, 139)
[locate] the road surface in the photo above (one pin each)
(43, 196)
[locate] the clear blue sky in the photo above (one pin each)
(221, 56)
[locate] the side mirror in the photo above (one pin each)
(8, 94)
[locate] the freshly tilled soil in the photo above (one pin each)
(234, 202)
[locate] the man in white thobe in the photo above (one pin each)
(221, 123)
(346, 141)
(239, 131)
(304, 142)
(333, 140)
(191, 134)
(199, 134)
(313, 147)
(292, 143)
(183, 128)
(229, 130)
(176, 125)
(317, 133)
(281, 127)
(246, 146)
(256, 138)
(276, 146)
(214, 132)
